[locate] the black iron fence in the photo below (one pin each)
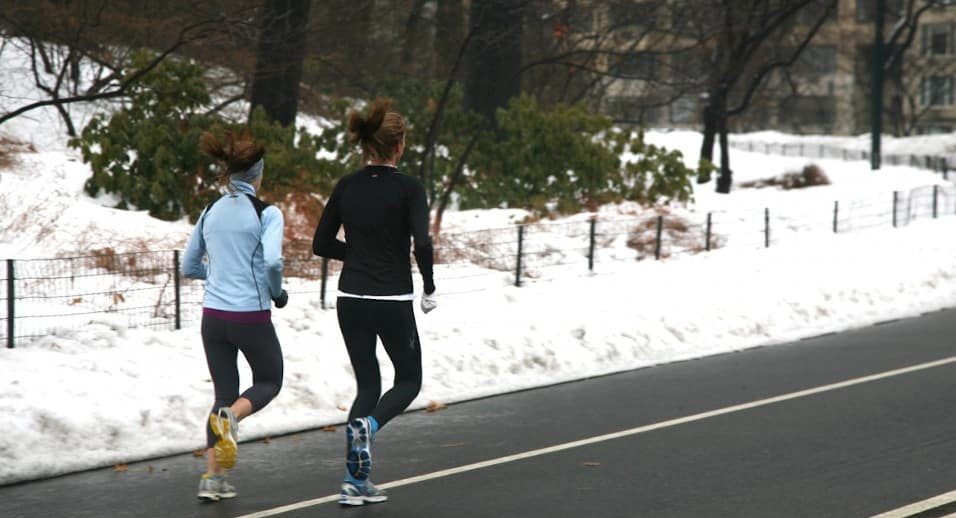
(939, 163)
(41, 297)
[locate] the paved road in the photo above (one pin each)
(845, 451)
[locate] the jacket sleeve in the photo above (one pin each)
(272, 230)
(193, 266)
(325, 243)
(418, 219)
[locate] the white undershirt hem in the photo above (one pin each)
(406, 296)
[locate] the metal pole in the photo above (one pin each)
(935, 201)
(176, 282)
(591, 245)
(877, 96)
(11, 295)
(836, 215)
(657, 241)
(518, 263)
(766, 228)
(896, 200)
(707, 238)
(324, 282)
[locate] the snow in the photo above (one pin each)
(96, 390)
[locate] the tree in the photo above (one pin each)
(493, 60)
(279, 59)
(748, 39)
(82, 51)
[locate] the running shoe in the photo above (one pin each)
(226, 430)
(214, 488)
(358, 461)
(360, 494)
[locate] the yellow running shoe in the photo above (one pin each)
(226, 430)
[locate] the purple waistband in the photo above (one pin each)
(240, 317)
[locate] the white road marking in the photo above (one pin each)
(625, 433)
(919, 507)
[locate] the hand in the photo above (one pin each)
(282, 299)
(429, 302)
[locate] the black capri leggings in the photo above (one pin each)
(361, 321)
(222, 341)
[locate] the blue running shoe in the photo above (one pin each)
(358, 461)
(360, 494)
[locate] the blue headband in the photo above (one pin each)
(249, 175)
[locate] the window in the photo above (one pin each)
(631, 18)
(936, 91)
(683, 111)
(630, 109)
(636, 65)
(866, 9)
(811, 110)
(819, 59)
(937, 39)
(810, 14)
(581, 20)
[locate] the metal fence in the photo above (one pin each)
(143, 289)
(935, 162)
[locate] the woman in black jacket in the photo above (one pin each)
(380, 208)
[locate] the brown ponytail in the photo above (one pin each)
(379, 131)
(236, 151)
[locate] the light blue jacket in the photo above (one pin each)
(243, 271)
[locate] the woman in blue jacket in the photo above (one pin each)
(241, 238)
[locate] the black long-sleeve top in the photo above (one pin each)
(379, 208)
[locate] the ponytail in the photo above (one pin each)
(379, 131)
(237, 152)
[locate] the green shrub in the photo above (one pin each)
(566, 159)
(147, 153)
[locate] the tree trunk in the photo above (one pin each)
(414, 47)
(449, 33)
(725, 179)
(494, 57)
(707, 147)
(279, 58)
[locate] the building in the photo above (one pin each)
(826, 91)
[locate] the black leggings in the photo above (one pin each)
(361, 321)
(222, 341)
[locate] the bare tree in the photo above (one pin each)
(87, 56)
(748, 40)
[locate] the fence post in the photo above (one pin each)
(945, 167)
(591, 245)
(896, 200)
(766, 227)
(707, 237)
(11, 295)
(518, 262)
(836, 215)
(935, 201)
(657, 240)
(844, 153)
(176, 281)
(324, 282)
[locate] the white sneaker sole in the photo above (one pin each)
(213, 496)
(361, 500)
